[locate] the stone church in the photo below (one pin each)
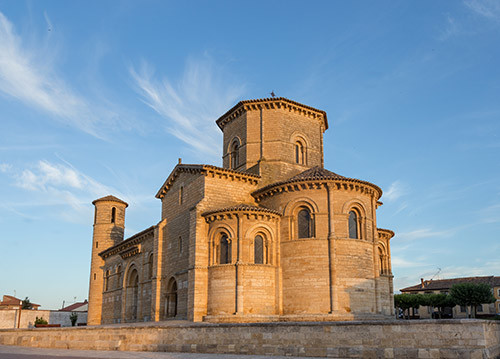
(269, 236)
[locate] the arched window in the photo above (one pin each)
(299, 153)
(381, 261)
(119, 277)
(258, 249)
(354, 230)
(113, 215)
(171, 302)
(225, 250)
(305, 224)
(106, 281)
(235, 146)
(150, 266)
(132, 295)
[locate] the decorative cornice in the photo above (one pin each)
(207, 170)
(304, 184)
(385, 233)
(271, 103)
(128, 243)
(130, 252)
(241, 209)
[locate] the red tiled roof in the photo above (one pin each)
(10, 300)
(242, 208)
(314, 174)
(445, 284)
(73, 306)
(110, 198)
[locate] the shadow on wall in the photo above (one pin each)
(367, 297)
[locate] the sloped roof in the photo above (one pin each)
(197, 168)
(11, 300)
(445, 284)
(314, 174)
(110, 198)
(74, 306)
(242, 208)
(273, 101)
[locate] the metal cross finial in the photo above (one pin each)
(273, 94)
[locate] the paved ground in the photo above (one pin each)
(14, 352)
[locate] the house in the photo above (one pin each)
(10, 302)
(444, 286)
(76, 307)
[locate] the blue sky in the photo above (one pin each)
(103, 97)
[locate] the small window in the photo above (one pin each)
(225, 250)
(235, 154)
(353, 225)
(305, 224)
(113, 215)
(462, 309)
(479, 308)
(299, 153)
(96, 244)
(180, 244)
(150, 266)
(119, 277)
(181, 193)
(258, 247)
(106, 281)
(94, 276)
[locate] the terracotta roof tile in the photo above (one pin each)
(73, 306)
(110, 198)
(445, 284)
(314, 174)
(242, 208)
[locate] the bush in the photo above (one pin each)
(40, 321)
(73, 317)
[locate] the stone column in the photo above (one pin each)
(331, 251)
(238, 269)
(156, 281)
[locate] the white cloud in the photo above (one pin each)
(487, 8)
(396, 190)
(450, 30)
(491, 214)
(63, 183)
(192, 105)
(5, 167)
(27, 75)
(424, 233)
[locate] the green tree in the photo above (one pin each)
(26, 304)
(405, 302)
(471, 294)
(441, 301)
(73, 317)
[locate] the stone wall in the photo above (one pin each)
(9, 318)
(383, 339)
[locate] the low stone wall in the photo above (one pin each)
(385, 339)
(9, 318)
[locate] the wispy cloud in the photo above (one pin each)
(396, 190)
(450, 30)
(491, 214)
(424, 233)
(191, 104)
(61, 183)
(489, 9)
(27, 74)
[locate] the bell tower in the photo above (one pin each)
(275, 138)
(109, 226)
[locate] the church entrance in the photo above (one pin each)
(171, 303)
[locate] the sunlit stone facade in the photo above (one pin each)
(270, 236)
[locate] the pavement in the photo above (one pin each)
(16, 352)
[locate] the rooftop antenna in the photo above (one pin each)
(272, 94)
(437, 273)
